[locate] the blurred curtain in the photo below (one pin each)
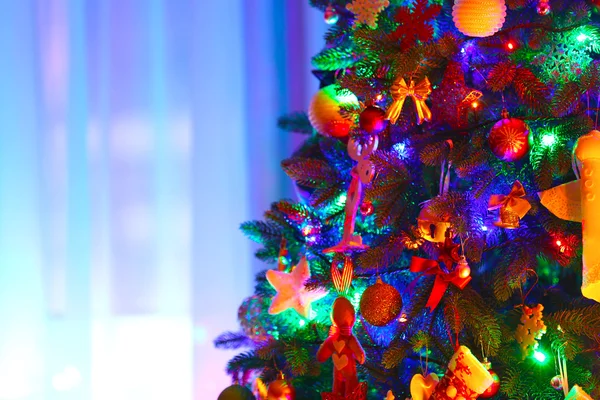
(135, 137)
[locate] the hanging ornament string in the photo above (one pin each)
(445, 172)
(537, 279)
(562, 365)
(576, 165)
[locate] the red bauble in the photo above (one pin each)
(556, 382)
(331, 15)
(372, 120)
(366, 208)
(509, 139)
(492, 390)
(543, 7)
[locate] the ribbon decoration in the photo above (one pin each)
(425, 266)
(419, 93)
(343, 279)
(511, 205)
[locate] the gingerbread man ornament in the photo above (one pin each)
(343, 348)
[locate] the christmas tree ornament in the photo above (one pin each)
(453, 100)
(509, 138)
(432, 227)
(291, 292)
(367, 11)
(577, 393)
(344, 350)
(423, 266)
(419, 92)
(236, 392)
(372, 120)
(463, 270)
(390, 396)
(362, 174)
(494, 388)
(587, 151)
(479, 18)
(281, 389)
(556, 382)
(422, 387)
(512, 207)
(380, 303)
(251, 316)
(331, 15)
(466, 378)
(543, 7)
(575, 201)
(342, 278)
(414, 23)
(531, 329)
(366, 208)
(324, 111)
(564, 201)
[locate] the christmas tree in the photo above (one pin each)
(445, 243)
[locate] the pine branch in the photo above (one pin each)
(530, 89)
(395, 354)
(298, 359)
(243, 362)
(380, 257)
(580, 321)
(310, 172)
(334, 58)
(232, 340)
(501, 76)
(262, 232)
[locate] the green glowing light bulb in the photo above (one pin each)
(548, 140)
(582, 37)
(539, 356)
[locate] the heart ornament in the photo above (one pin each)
(340, 362)
(339, 345)
(422, 387)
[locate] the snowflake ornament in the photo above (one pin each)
(366, 11)
(415, 24)
(564, 59)
(531, 329)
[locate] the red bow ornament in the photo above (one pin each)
(512, 207)
(425, 266)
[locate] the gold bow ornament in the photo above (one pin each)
(512, 207)
(419, 93)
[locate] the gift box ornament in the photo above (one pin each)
(577, 393)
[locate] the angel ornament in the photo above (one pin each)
(362, 174)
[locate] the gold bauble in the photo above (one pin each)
(236, 392)
(324, 111)
(479, 18)
(281, 390)
(380, 303)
